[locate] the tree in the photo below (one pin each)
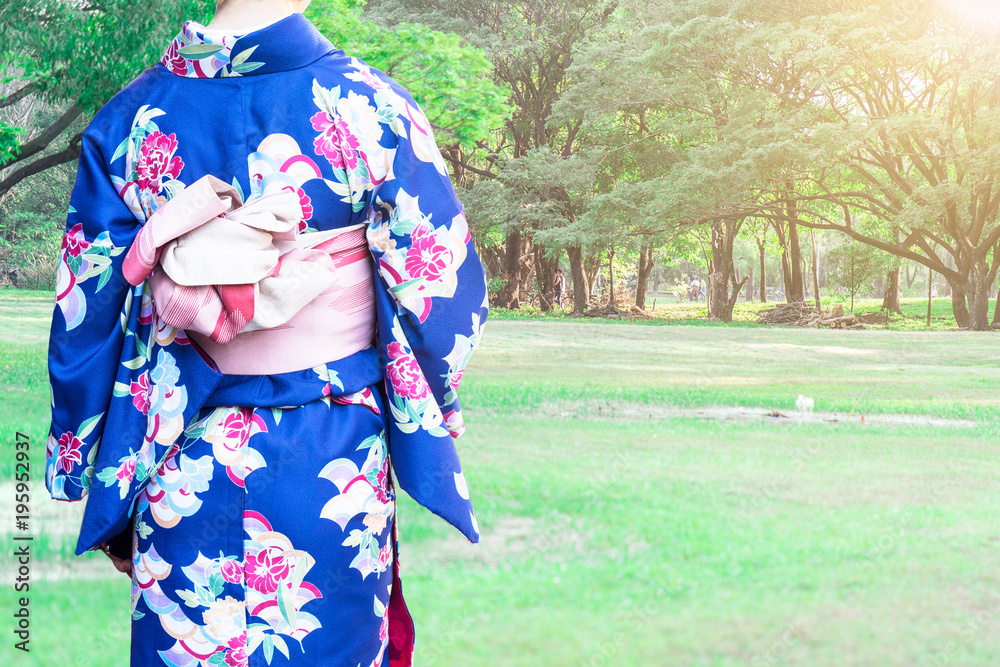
(855, 265)
(911, 102)
(75, 56)
(531, 45)
(451, 81)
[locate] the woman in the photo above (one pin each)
(559, 287)
(267, 291)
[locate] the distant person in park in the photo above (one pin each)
(267, 297)
(559, 287)
(695, 287)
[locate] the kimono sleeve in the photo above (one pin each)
(428, 264)
(88, 324)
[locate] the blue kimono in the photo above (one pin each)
(261, 507)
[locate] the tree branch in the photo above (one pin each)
(68, 154)
(18, 95)
(42, 141)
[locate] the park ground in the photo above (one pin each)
(662, 308)
(639, 507)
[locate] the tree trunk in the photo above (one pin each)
(611, 277)
(959, 304)
(509, 296)
(979, 296)
(786, 277)
(930, 292)
(819, 306)
(996, 308)
(593, 266)
(581, 286)
(718, 275)
(793, 259)
(722, 271)
(492, 260)
(545, 273)
(892, 288)
(794, 293)
(645, 268)
(763, 273)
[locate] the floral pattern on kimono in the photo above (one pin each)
(354, 146)
(362, 492)
(200, 54)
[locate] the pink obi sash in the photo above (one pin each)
(257, 296)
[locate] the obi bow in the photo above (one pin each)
(220, 267)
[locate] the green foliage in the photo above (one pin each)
(450, 81)
(86, 51)
(31, 253)
(32, 220)
(9, 141)
(854, 266)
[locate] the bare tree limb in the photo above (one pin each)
(18, 95)
(68, 154)
(42, 141)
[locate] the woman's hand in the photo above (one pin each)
(121, 564)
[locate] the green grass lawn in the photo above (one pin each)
(620, 528)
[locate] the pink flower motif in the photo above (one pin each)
(383, 557)
(237, 427)
(236, 651)
(126, 470)
(265, 569)
(73, 242)
(406, 378)
(335, 142)
(69, 452)
(371, 80)
(157, 161)
(305, 203)
(427, 258)
(231, 571)
(140, 393)
(455, 379)
(174, 61)
(381, 492)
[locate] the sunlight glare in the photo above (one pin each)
(987, 11)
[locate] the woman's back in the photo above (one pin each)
(294, 112)
(274, 138)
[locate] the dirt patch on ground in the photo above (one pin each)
(625, 411)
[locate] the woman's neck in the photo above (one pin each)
(246, 15)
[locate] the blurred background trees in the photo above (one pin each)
(753, 145)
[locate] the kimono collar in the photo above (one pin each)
(287, 44)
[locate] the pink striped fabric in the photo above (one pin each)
(257, 296)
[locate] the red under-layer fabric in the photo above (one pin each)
(401, 634)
